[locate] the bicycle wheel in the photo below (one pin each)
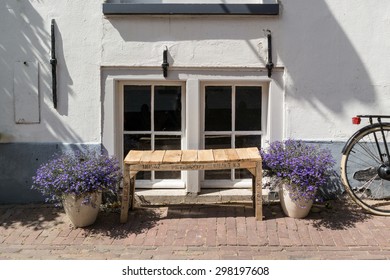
(362, 170)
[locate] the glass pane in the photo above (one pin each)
(245, 141)
(218, 108)
(167, 142)
(137, 108)
(137, 142)
(217, 142)
(248, 108)
(167, 108)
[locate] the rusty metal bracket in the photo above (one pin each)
(165, 63)
(53, 62)
(269, 64)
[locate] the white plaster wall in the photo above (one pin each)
(25, 35)
(335, 56)
(191, 41)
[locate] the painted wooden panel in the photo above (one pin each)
(26, 92)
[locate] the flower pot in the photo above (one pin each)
(79, 213)
(293, 208)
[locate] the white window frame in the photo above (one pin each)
(230, 183)
(193, 78)
(153, 183)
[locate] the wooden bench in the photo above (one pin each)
(170, 160)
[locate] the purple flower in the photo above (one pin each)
(77, 173)
(304, 167)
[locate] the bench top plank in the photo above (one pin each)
(231, 154)
(220, 155)
(244, 154)
(253, 153)
(134, 156)
(205, 156)
(147, 155)
(192, 156)
(157, 156)
(172, 156)
(189, 156)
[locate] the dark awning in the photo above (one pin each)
(190, 9)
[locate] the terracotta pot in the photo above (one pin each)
(80, 214)
(294, 209)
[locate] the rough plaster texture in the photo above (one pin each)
(334, 65)
(25, 29)
(331, 58)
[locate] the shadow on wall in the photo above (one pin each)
(325, 70)
(26, 37)
(322, 65)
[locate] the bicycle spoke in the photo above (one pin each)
(360, 167)
(370, 153)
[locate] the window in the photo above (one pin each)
(232, 119)
(153, 120)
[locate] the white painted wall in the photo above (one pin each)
(335, 57)
(25, 36)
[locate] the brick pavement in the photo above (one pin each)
(216, 231)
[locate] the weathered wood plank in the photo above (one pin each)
(220, 155)
(189, 156)
(172, 156)
(125, 194)
(258, 192)
(242, 153)
(194, 166)
(205, 156)
(231, 154)
(254, 153)
(252, 171)
(157, 156)
(146, 156)
(133, 156)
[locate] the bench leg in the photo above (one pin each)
(258, 193)
(132, 190)
(254, 191)
(125, 195)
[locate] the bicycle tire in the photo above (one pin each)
(359, 169)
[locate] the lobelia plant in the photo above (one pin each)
(304, 168)
(77, 173)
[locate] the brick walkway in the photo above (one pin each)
(341, 231)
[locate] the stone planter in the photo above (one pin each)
(293, 209)
(80, 214)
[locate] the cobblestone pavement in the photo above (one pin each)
(228, 231)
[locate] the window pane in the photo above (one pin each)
(218, 108)
(167, 108)
(167, 142)
(137, 108)
(137, 142)
(217, 142)
(248, 108)
(245, 141)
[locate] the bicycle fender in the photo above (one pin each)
(353, 137)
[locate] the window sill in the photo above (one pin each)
(190, 9)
